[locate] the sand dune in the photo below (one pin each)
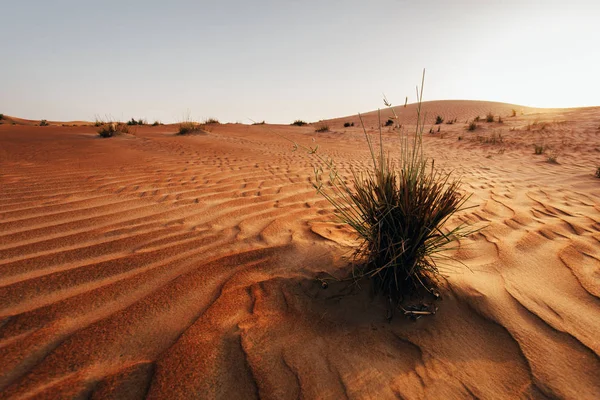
(159, 266)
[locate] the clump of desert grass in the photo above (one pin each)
(157, 123)
(472, 125)
(598, 172)
(348, 124)
(299, 122)
(539, 148)
(211, 121)
(259, 123)
(44, 123)
(1, 117)
(133, 121)
(190, 127)
(489, 117)
(322, 128)
(513, 113)
(111, 129)
(389, 122)
(399, 207)
(439, 119)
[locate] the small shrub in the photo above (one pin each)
(111, 129)
(439, 128)
(156, 123)
(500, 120)
(460, 138)
(439, 120)
(1, 117)
(98, 123)
(494, 138)
(450, 122)
(322, 128)
(259, 123)
(539, 149)
(477, 118)
(44, 123)
(489, 117)
(398, 207)
(348, 124)
(598, 172)
(132, 121)
(389, 122)
(299, 122)
(189, 127)
(513, 113)
(472, 125)
(552, 158)
(431, 130)
(211, 121)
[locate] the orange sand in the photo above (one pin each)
(159, 266)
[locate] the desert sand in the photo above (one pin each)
(153, 265)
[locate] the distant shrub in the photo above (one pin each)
(552, 158)
(431, 130)
(1, 117)
(472, 125)
(450, 122)
(348, 124)
(44, 123)
(132, 121)
(494, 138)
(513, 113)
(539, 149)
(111, 129)
(389, 122)
(299, 122)
(322, 128)
(598, 172)
(439, 120)
(156, 123)
(500, 120)
(189, 127)
(211, 121)
(259, 123)
(489, 117)
(439, 128)
(477, 118)
(460, 138)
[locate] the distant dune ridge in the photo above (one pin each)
(152, 265)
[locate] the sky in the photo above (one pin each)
(244, 61)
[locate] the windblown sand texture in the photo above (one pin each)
(152, 265)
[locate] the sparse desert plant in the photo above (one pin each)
(539, 148)
(494, 138)
(299, 122)
(489, 117)
(472, 125)
(513, 113)
(188, 127)
(500, 120)
(259, 123)
(460, 138)
(133, 121)
(156, 123)
(322, 128)
(398, 207)
(44, 123)
(450, 122)
(439, 119)
(439, 127)
(598, 172)
(110, 129)
(211, 121)
(477, 118)
(389, 122)
(348, 124)
(1, 117)
(552, 158)
(431, 130)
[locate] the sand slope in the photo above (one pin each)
(158, 266)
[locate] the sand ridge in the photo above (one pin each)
(158, 266)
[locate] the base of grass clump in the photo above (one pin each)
(398, 208)
(189, 128)
(111, 129)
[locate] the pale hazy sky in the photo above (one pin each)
(288, 59)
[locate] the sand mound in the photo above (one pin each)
(155, 265)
